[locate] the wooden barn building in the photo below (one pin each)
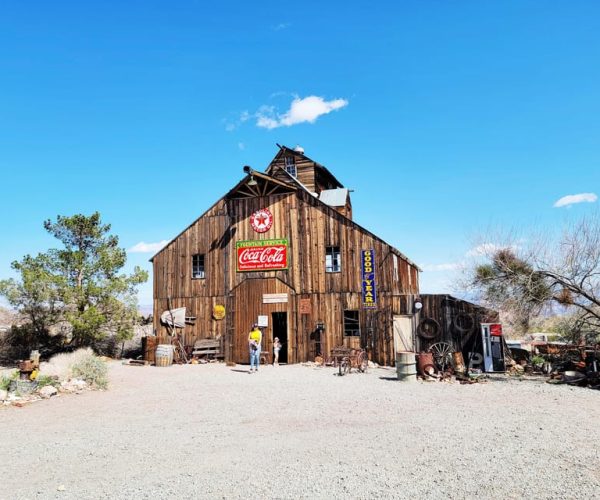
(281, 249)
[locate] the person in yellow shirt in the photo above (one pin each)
(254, 341)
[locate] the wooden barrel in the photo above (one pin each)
(406, 367)
(164, 355)
(148, 348)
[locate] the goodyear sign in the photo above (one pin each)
(369, 291)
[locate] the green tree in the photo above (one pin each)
(80, 283)
(561, 273)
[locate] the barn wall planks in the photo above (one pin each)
(459, 321)
(310, 227)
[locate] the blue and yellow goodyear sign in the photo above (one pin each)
(369, 291)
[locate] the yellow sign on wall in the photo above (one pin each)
(218, 312)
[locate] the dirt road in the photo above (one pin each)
(210, 431)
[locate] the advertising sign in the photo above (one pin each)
(260, 255)
(305, 307)
(369, 291)
(496, 330)
(261, 220)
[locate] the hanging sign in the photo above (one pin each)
(369, 292)
(275, 298)
(261, 220)
(259, 255)
(305, 307)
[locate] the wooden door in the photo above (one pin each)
(403, 334)
(261, 297)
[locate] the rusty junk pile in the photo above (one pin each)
(562, 363)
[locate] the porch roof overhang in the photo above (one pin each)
(264, 185)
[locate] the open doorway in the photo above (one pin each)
(280, 330)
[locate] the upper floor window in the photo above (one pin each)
(333, 260)
(290, 165)
(198, 266)
(351, 324)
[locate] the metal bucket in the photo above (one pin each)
(164, 355)
(425, 363)
(458, 362)
(406, 367)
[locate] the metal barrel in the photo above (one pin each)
(425, 364)
(164, 355)
(458, 362)
(406, 366)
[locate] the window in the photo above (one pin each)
(198, 266)
(290, 165)
(351, 324)
(333, 260)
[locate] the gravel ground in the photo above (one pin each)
(211, 431)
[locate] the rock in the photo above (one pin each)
(48, 391)
(73, 385)
(3, 395)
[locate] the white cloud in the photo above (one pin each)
(143, 247)
(571, 199)
(230, 126)
(487, 249)
(449, 266)
(302, 110)
(241, 146)
(483, 249)
(281, 26)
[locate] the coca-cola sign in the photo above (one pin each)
(258, 255)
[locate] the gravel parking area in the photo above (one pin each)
(212, 431)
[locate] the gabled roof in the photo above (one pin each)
(285, 151)
(265, 185)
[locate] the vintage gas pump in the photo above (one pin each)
(493, 347)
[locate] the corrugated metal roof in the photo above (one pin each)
(334, 197)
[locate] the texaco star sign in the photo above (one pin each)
(261, 220)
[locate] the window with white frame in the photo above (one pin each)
(351, 324)
(290, 165)
(198, 266)
(333, 260)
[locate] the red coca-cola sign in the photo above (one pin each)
(258, 255)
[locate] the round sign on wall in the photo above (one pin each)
(261, 220)
(218, 311)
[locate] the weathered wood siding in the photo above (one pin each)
(459, 321)
(309, 226)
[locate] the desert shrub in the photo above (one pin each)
(5, 380)
(44, 380)
(538, 360)
(93, 370)
(4, 383)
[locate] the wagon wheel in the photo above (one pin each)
(362, 362)
(428, 328)
(442, 353)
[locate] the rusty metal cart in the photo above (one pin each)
(346, 358)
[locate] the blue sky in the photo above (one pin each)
(446, 118)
